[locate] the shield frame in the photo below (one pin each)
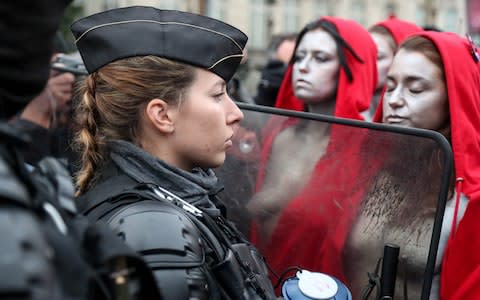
(436, 137)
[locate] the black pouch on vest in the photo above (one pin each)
(257, 272)
(230, 277)
(253, 283)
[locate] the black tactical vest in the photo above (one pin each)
(226, 265)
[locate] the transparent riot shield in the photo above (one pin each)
(332, 195)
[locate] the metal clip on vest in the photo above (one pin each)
(164, 194)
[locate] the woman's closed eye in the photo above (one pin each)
(390, 86)
(381, 56)
(415, 91)
(416, 88)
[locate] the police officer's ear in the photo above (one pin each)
(161, 115)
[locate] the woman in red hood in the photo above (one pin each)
(387, 35)
(433, 83)
(355, 56)
(333, 72)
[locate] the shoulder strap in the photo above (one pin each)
(112, 193)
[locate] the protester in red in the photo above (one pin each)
(429, 88)
(387, 35)
(357, 56)
(297, 221)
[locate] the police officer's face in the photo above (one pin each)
(385, 54)
(316, 66)
(416, 94)
(205, 123)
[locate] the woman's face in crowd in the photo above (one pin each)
(315, 68)
(385, 54)
(416, 94)
(205, 122)
(285, 51)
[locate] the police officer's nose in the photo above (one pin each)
(234, 114)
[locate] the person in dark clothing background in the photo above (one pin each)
(48, 252)
(47, 118)
(23, 74)
(279, 53)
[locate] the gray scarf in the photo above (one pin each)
(194, 187)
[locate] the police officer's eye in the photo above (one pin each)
(219, 96)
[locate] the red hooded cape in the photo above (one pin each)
(314, 225)
(352, 97)
(399, 29)
(460, 273)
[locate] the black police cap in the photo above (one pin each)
(139, 30)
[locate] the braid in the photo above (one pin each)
(87, 141)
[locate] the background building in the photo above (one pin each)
(260, 19)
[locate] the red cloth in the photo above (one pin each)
(460, 274)
(314, 225)
(399, 29)
(352, 97)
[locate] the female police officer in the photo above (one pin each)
(153, 119)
